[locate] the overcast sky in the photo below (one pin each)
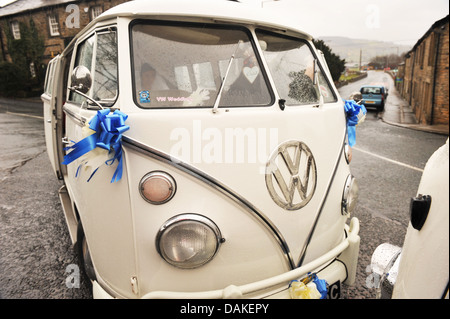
(398, 21)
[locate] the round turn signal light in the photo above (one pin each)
(157, 187)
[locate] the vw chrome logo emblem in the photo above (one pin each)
(291, 175)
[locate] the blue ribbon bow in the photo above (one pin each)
(108, 135)
(354, 113)
(321, 285)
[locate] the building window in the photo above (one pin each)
(32, 70)
(15, 29)
(96, 11)
(421, 54)
(53, 25)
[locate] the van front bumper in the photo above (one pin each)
(336, 266)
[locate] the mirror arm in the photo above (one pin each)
(74, 89)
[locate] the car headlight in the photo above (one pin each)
(350, 195)
(188, 240)
(348, 153)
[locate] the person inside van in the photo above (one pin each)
(302, 87)
(250, 87)
(156, 92)
(150, 81)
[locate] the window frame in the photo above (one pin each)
(52, 25)
(110, 103)
(95, 11)
(205, 25)
(15, 29)
(48, 85)
(313, 54)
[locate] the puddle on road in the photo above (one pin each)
(21, 140)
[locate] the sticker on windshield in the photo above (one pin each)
(251, 73)
(144, 97)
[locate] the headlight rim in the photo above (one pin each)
(167, 177)
(350, 184)
(192, 217)
(348, 152)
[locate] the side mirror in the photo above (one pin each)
(81, 79)
(81, 83)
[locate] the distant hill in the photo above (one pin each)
(349, 49)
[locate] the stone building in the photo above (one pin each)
(56, 22)
(423, 78)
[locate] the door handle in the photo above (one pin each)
(65, 140)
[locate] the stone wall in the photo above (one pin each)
(71, 18)
(426, 76)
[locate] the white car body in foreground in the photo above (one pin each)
(420, 269)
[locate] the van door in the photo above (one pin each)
(49, 99)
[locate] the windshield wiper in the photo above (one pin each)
(222, 85)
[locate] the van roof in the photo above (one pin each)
(214, 10)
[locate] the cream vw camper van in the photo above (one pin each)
(203, 149)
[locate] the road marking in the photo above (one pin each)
(389, 160)
(26, 115)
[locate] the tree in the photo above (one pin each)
(27, 53)
(386, 61)
(335, 63)
(12, 79)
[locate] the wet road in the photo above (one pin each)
(388, 163)
(36, 255)
(22, 142)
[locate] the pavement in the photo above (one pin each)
(401, 114)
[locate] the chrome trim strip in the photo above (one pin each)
(209, 180)
(80, 120)
(322, 203)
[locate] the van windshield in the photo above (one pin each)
(183, 65)
(291, 64)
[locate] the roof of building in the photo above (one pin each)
(11, 7)
(435, 25)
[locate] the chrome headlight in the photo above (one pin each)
(348, 153)
(188, 240)
(350, 195)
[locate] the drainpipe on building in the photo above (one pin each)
(1, 45)
(434, 76)
(412, 79)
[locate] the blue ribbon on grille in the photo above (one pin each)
(322, 286)
(108, 128)
(355, 114)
